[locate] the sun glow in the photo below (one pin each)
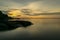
(14, 13)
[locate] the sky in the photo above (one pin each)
(41, 5)
(49, 28)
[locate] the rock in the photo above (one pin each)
(3, 27)
(6, 25)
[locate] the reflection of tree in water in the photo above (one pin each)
(10, 25)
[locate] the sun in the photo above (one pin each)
(14, 13)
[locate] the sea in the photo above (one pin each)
(43, 28)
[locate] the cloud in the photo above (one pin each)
(36, 6)
(9, 5)
(42, 5)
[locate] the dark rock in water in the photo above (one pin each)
(3, 26)
(20, 23)
(16, 24)
(13, 25)
(6, 25)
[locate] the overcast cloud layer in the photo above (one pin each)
(42, 5)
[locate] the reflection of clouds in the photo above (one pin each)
(14, 33)
(40, 27)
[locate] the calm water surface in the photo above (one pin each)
(40, 27)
